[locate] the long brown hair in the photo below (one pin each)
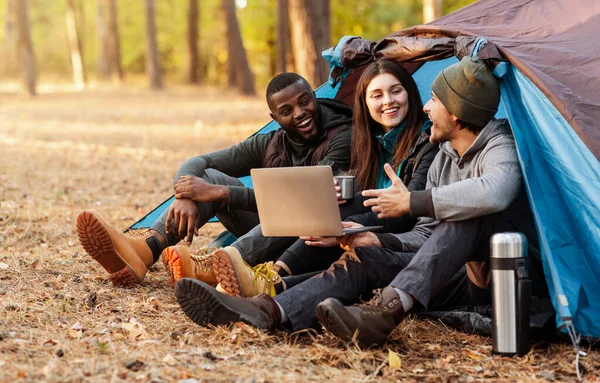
(365, 150)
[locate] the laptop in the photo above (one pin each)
(299, 201)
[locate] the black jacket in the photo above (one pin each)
(414, 176)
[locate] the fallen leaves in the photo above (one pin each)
(394, 360)
(135, 329)
(76, 331)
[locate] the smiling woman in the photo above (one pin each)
(387, 101)
(388, 121)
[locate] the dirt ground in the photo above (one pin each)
(117, 151)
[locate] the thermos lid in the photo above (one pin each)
(508, 245)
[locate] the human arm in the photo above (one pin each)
(492, 191)
(396, 225)
(235, 161)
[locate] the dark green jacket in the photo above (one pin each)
(237, 160)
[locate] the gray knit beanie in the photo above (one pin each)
(469, 91)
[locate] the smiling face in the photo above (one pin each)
(444, 123)
(295, 109)
(387, 101)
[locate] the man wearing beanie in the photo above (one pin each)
(474, 189)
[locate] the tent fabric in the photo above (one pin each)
(551, 95)
(562, 178)
(552, 42)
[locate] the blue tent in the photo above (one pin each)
(546, 56)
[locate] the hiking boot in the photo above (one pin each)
(125, 257)
(374, 320)
(237, 278)
(181, 264)
(205, 305)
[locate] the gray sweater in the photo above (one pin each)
(486, 179)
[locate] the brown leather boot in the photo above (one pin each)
(181, 264)
(374, 321)
(239, 279)
(126, 258)
(205, 305)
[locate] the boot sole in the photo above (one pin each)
(226, 274)
(200, 302)
(329, 318)
(173, 263)
(97, 242)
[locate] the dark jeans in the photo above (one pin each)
(300, 258)
(238, 222)
(435, 276)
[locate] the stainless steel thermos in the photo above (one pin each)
(511, 294)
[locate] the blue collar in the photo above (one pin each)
(388, 140)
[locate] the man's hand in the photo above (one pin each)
(320, 241)
(196, 189)
(393, 201)
(184, 215)
(366, 238)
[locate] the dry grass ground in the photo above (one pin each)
(61, 321)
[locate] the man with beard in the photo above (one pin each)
(474, 189)
(313, 132)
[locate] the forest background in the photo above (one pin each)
(225, 43)
(99, 135)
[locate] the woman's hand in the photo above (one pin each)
(338, 193)
(320, 241)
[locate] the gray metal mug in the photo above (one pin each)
(347, 185)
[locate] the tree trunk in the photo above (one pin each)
(432, 10)
(113, 43)
(109, 49)
(237, 61)
(283, 34)
(306, 27)
(192, 38)
(9, 47)
(325, 23)
(79, 75)
(25, 53)
(102, 66)
(152, 63)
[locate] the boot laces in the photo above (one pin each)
(375, 306)
(203, 261)
(137, 233)
(267, 272)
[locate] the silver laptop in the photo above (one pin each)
(299, 201)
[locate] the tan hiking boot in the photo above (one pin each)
(126, 257)
(237, 278)
(181, 264)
